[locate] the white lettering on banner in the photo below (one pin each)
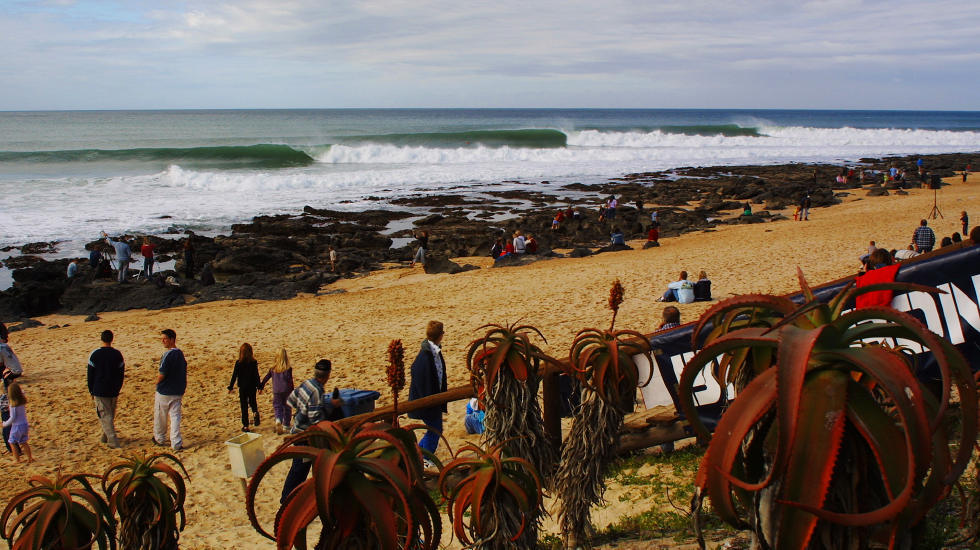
(953, 306)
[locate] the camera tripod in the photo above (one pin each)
(935, 213)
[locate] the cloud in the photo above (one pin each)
(198, 52)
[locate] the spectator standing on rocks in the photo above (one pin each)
(965, 220)
(94, 257)
(611, 205)
(106, 371)
(188, 258)
(147, 252)
(923, 238)
(423, 239)
(72, 270)
(429, 378)
(333, 258)
(171, 385)
(123, 255)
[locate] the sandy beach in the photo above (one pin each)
(352, 321)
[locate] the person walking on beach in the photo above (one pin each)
(18, 423)
(423, 238)
(171, 385)
(246, 372)
(805, 208)
(106, 371)
(10, 369)
(147, 252)
(923, 238)
(429, 378)
(123, 255)
(310, 407)
(282, 385)
(965, 220)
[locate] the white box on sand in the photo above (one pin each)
(245, 452)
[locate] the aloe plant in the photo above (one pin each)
(63, 513)
(505, 369)
(366, 489)
(602, 362)
(832, 438)
(151, 510)
(495, 491)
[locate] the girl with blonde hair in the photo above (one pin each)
(18, 423)
(282, 385)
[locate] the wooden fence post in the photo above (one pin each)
(551, 398)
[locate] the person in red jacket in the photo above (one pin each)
(147, 252)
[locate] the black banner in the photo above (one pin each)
(954, 315)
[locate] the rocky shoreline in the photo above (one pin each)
(278, 257)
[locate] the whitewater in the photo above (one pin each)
(50, 192)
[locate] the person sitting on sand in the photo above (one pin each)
(955, 237)
(747, 210)
(310, 407)
(702, 288)
(530, 244)
(681, 291)
(616, 237)
(945, 242)
(282, 385)
(429, 378)
(246, 371)
(423, 239)
(871, 248)
(18, 423)
(653, 235)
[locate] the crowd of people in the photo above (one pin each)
(923, 240)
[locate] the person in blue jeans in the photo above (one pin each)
(429, 378)
(310, 404)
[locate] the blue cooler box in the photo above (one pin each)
(358, 401)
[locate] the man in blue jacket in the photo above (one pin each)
(429, 378)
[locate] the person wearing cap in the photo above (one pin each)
(309, 407)
(429, 378)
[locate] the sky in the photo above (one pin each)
(202, 54)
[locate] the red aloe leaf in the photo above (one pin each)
(297, 512)
(795, 348)
(379, 508)
(737, 305)
(812, 460)
(483, 481)
(327, 474)
(884, 438)
(735, 340)
(517, 366)
(742, 416)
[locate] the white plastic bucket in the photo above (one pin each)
(245, 452)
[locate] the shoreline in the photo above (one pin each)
(353, 328)
(281, 256)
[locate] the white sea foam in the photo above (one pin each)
(78, 208)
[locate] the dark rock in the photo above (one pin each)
(92, 317)
(901, 192)
(111, 296)
(28, 323)
(877, 192)
(650, 244)
(39, 248)
(438, 263)
(580, 252)
(613, 248)
(750, 219)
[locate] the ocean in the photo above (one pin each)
(65, 176)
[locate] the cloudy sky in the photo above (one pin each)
(161, 54)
